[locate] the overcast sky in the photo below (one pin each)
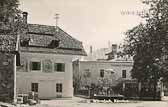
(94, 22)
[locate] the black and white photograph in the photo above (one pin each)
(83, 53)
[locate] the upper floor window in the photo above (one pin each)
(124, 73)
(102, 73)
(35, 65)
(59, 67)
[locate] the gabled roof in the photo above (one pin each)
(7, 43)
(41, 36)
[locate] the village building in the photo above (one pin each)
(102, 67)
(92, 72)
(46, 55)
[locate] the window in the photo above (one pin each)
(54, 44)
(34, 87)
(59, 67)
(124, 75)
(59, 87)
(102, 73)
(35, 65)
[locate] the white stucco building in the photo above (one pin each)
(103, 65)
(114, 71)
(46, 54)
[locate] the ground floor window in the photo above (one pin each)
(34, 87)
(59, 87)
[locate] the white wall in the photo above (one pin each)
(95, 67)
(47, 81)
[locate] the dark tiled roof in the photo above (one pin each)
(7, 43)
(42, 36)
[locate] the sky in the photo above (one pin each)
(94, 22)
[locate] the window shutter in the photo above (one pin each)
(63, 67)
(26, 65)
(30, 65)
(55, 66)
(38, 65)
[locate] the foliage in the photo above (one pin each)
(10, 17)
(147, 43)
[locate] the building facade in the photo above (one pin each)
(103, 65)
(105, 73)
(46, 54)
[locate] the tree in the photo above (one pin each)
(10, 17)
(147, 43)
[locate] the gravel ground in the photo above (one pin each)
(79, 102)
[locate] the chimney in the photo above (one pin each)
(25, 14)
(114, 48)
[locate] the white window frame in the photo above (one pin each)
(60, 63)
(59, 90)
(35, 60)
(34, 88)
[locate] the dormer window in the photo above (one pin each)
(25, 42)
(54, 44)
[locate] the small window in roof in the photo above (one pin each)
(54, 44)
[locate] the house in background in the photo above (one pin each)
(102, 73)
(112, 53)
(102, 67)
(46, 54)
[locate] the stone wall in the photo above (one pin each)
(6, 77)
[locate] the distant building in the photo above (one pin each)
(98, 54)
(46, 54)
(92, 72)
(112, 53)
(102, 67)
